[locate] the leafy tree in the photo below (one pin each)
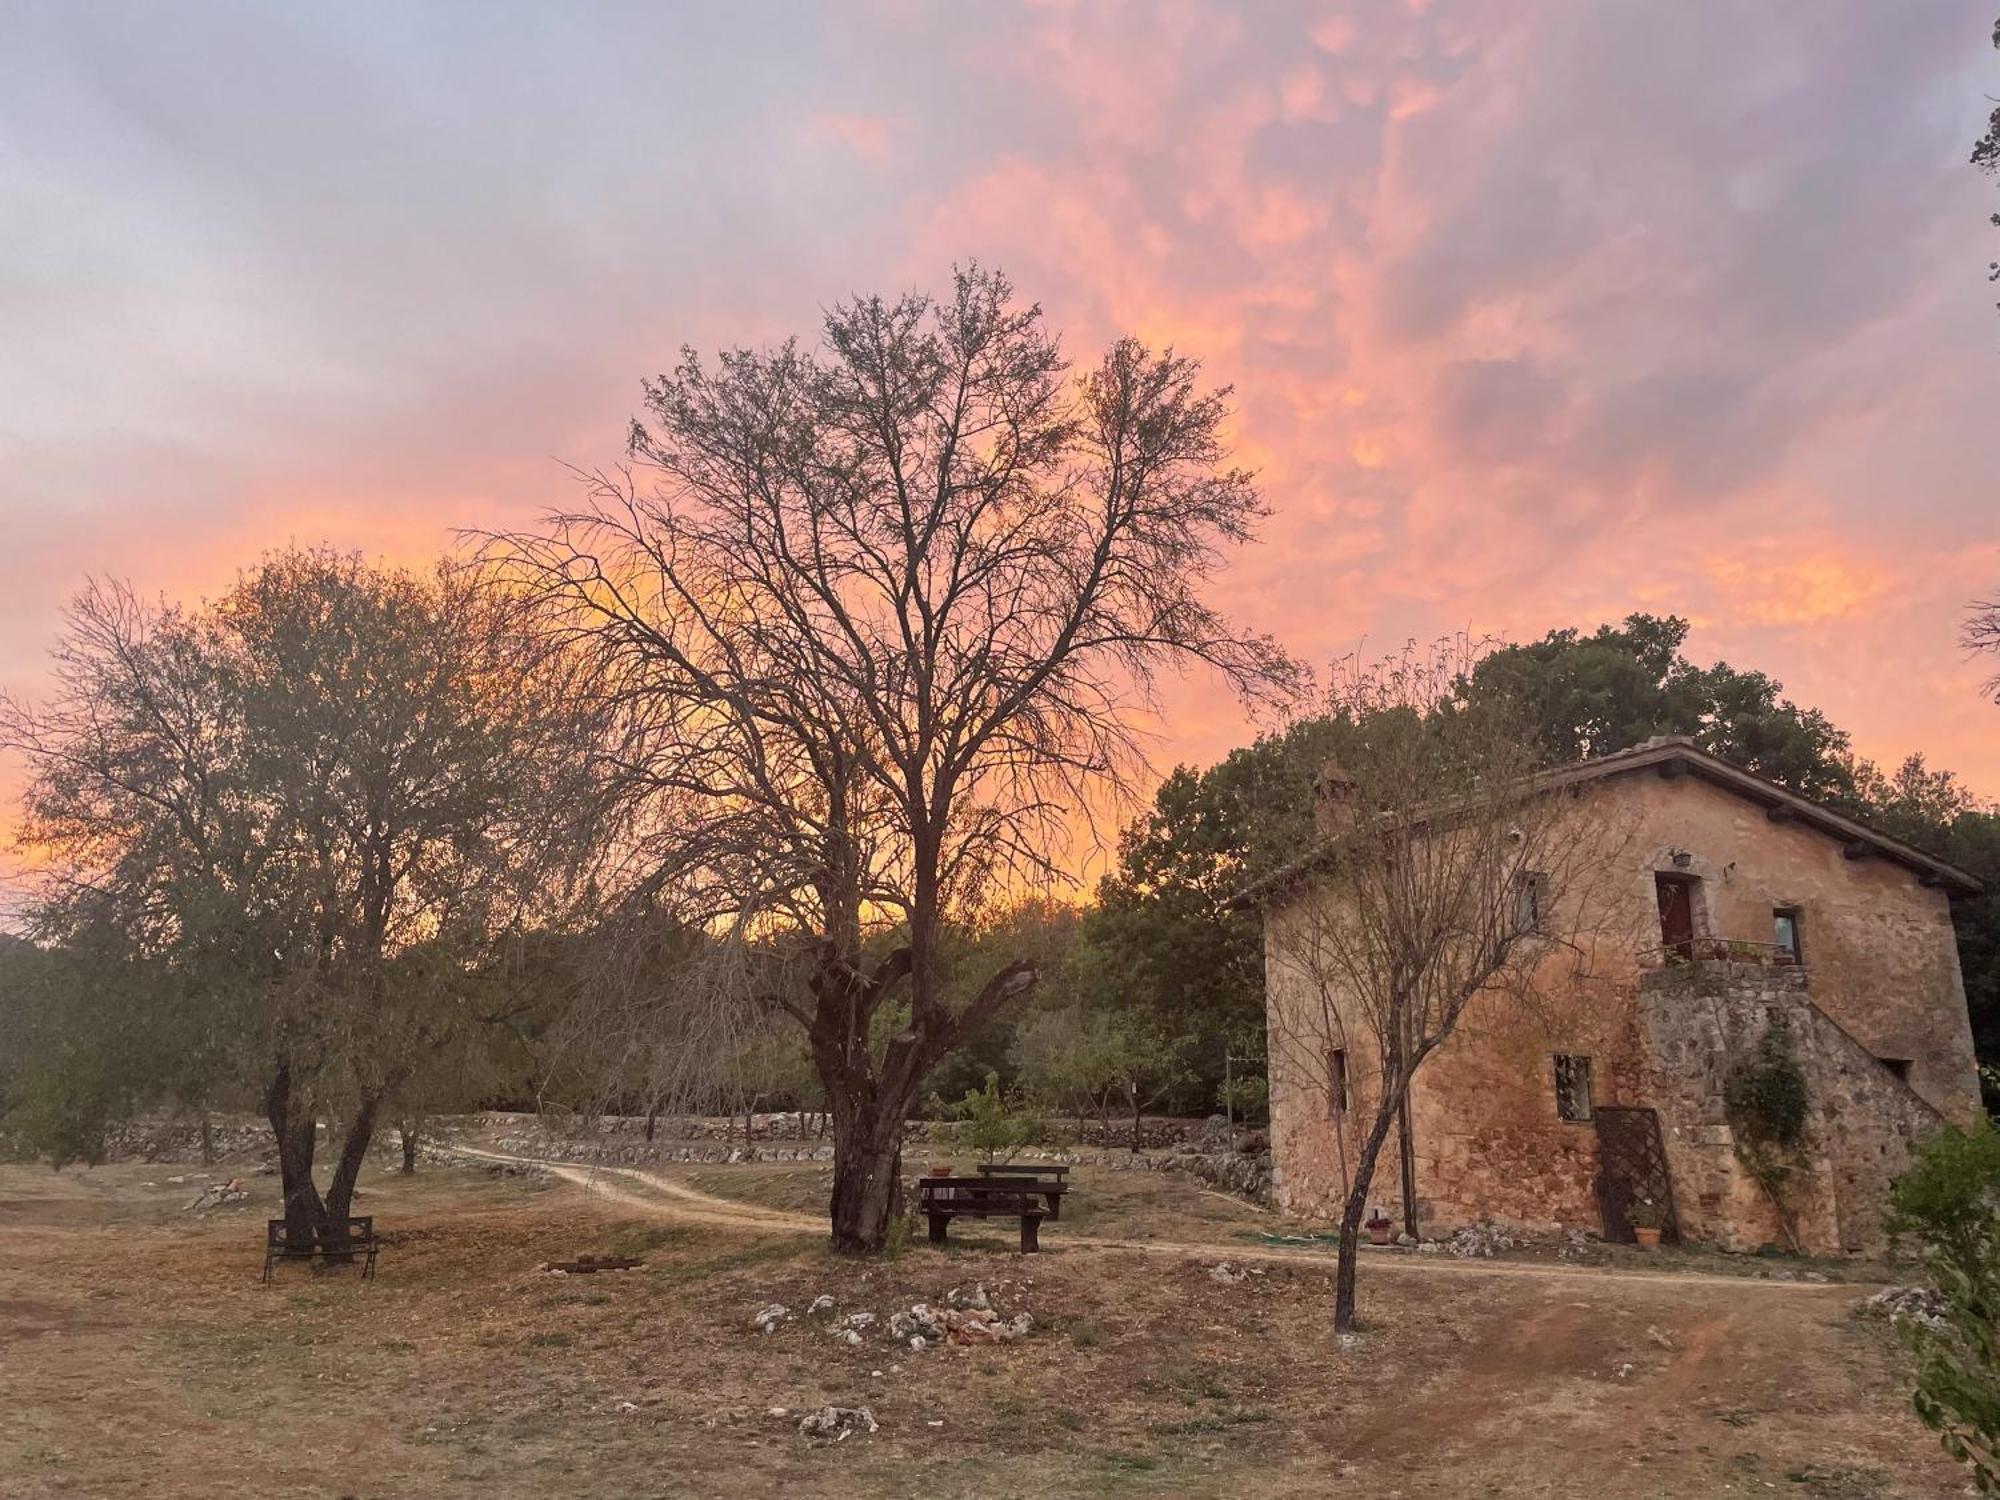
(1622, 685)
(1067, 1060)
(293, 831)
(875, 628)
(71, 1061)
(1163, 938)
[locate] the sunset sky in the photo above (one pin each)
(1537, 313)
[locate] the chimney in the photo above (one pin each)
(1334, 812)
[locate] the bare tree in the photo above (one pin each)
(876, 620)
(1981, 636)
(1452, 875)
(312, 815)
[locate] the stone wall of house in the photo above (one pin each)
(1698, 1022)
(1878, 944)
(1881, 975)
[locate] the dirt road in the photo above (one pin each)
(658, 1195)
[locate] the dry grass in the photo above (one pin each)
(138, 1356)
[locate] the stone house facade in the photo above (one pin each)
(1733, 905)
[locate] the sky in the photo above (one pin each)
(1536, 314)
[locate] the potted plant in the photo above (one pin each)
(1644, 1216)
(1380, 1230)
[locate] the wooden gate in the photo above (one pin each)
(1632, 1164)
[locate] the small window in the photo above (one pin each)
(1900, 1066)
(1531, 901)
(1572, 1087)
(1336, 1081)
(1785, 935)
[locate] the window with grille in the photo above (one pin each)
(1572, 1087)
(1531, 901)
(1336, 1080)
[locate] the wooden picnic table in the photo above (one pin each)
(1054, 1172)
(942, 1199)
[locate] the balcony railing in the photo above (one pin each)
(1719, 950)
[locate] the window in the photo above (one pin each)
(1900, 1066)
(1572, 1087)
(1531, 901)
(1336, 1080)
(1785, 935)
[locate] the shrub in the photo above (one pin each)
(1247, 1096)
(994, 1123)
(1949, 1201)
(1949, 1196)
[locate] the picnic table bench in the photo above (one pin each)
(361, 1241)
(942, 1199)
(1055, 1172)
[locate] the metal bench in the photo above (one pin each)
(361, 1241)
(942, 1199)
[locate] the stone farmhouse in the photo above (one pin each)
(1734, 904)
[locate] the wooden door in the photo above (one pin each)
(1676, 914)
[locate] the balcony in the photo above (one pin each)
(1719, 950)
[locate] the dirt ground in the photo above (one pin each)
(140, 1356)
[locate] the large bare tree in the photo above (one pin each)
(1453, 874)
(877, 618)
(309, 820)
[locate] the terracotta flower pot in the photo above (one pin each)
(941, 1171)
(1379, 1234)
(1648, 1236)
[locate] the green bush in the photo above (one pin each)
(1248, 1097)
(1949, 1201)
(993, 1122)
(1948, 1198)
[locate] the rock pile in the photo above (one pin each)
(1477, 1241)
(1905, 1304)
(959, 1317)
(1224, 1274)
(836, 1424)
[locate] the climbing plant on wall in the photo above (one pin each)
(1766, 1101)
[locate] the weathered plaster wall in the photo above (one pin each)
(1881, 964)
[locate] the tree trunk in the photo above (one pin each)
(867, 1176)
(652, 1117)
(1406, 1159)
(340, 1191)
(409, 1132)
(1350, 1216)
(1135, 1119)
(305, 1213)
(207, 1140)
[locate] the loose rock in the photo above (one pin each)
(836, 1424)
